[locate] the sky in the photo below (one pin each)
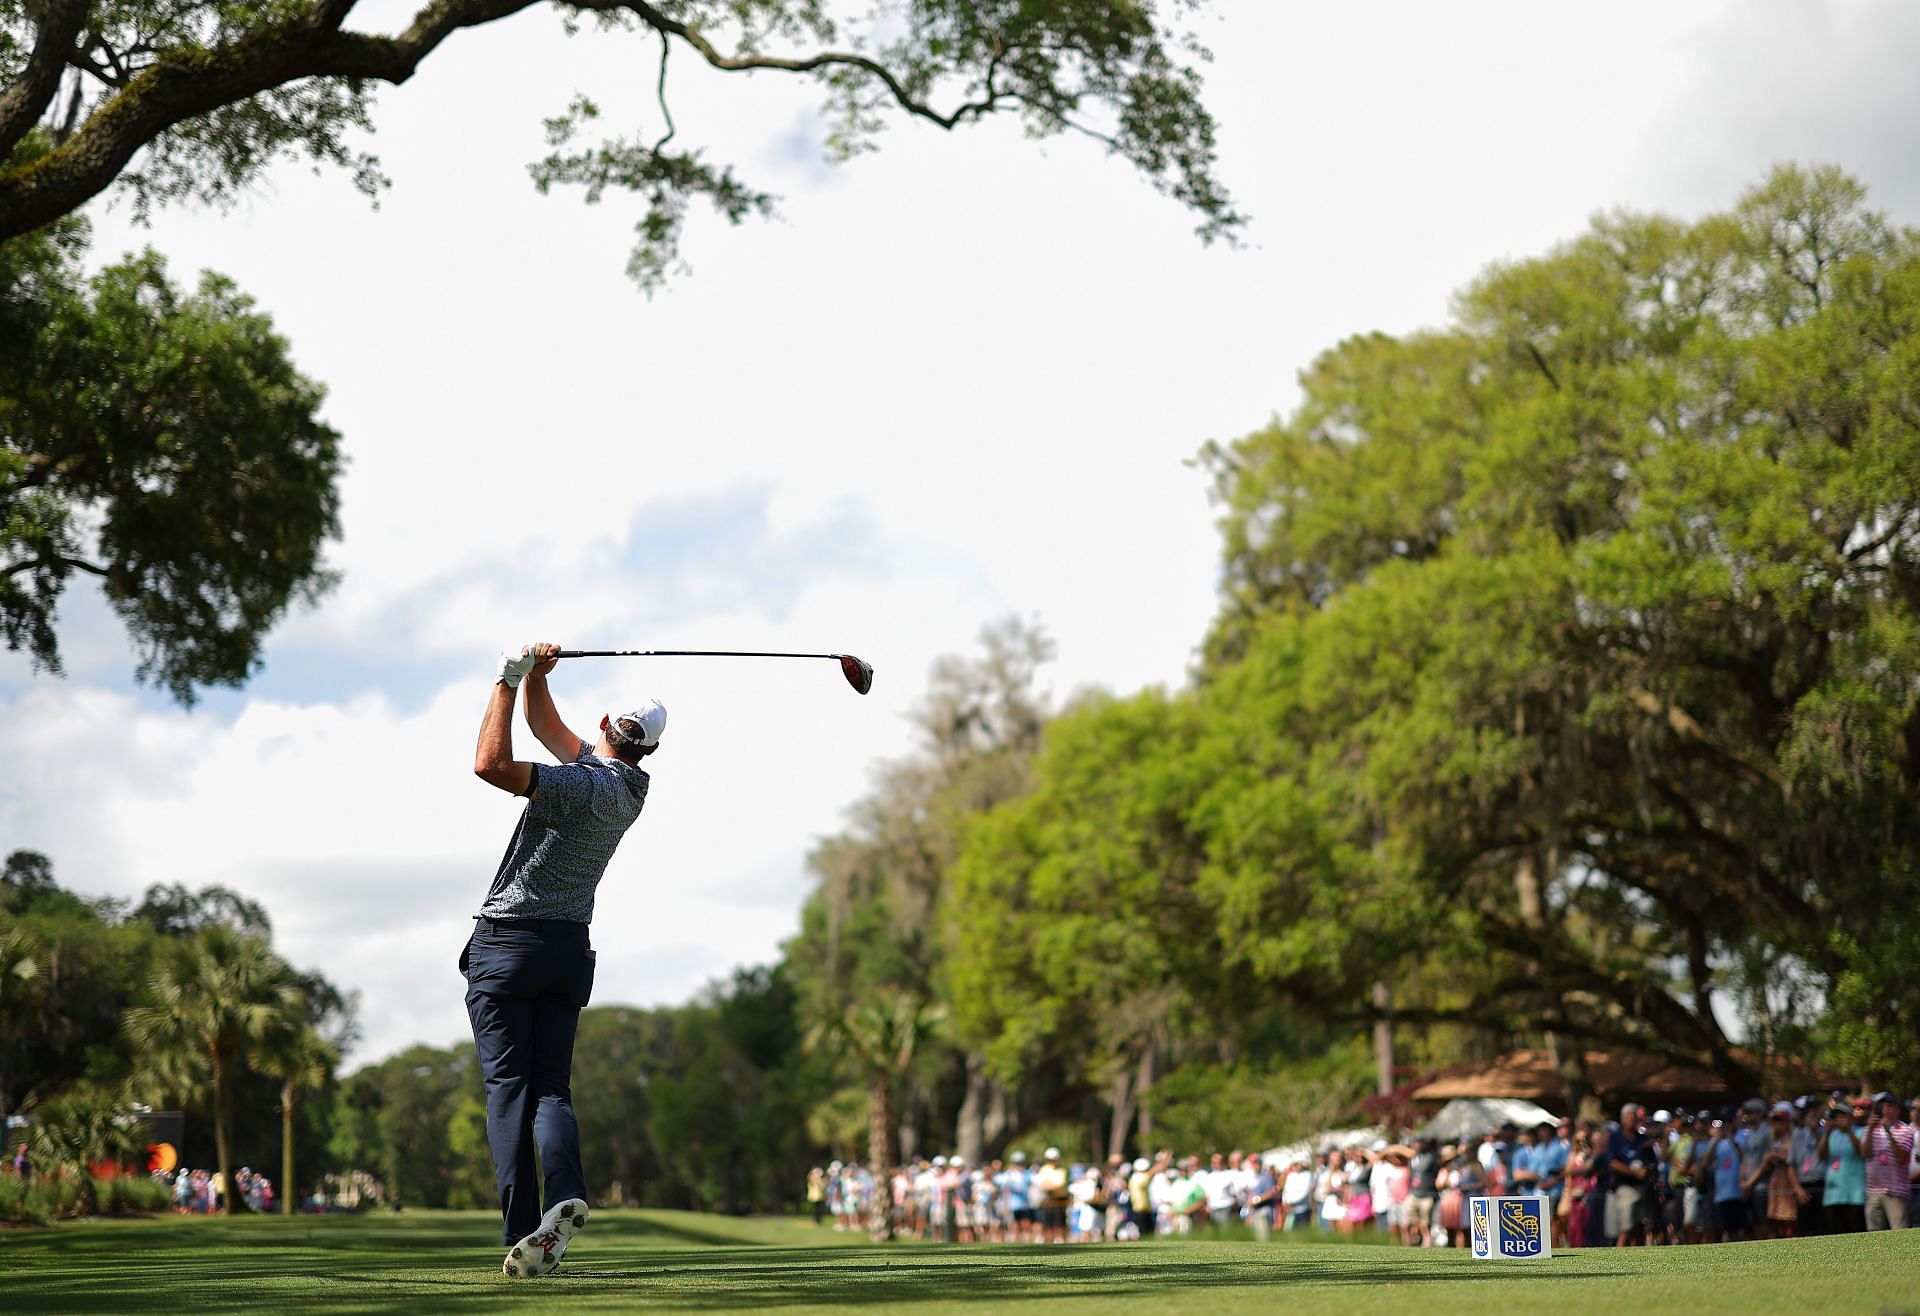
(961, 378)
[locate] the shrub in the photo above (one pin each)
(17, 1202)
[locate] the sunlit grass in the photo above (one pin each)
(442, 1261)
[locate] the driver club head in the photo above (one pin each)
(859, 675)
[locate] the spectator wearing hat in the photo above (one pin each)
(1656, 1133)
(1139, 1200)
(1551, 1153)
(1754, 1138)
(1843, 1197)
(1729, 1199)
(1774, 1176)
(1050, 1188)
(1888, 1148)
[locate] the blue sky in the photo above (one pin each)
(959, 378)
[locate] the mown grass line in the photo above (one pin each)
(448, 1261)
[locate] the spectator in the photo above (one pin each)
(1551, 1152)
(1888, 1152)
(1809, 1166)
(1423, 1174)
(1683, 1195)
(1296, 1197)
(1263, 1193)
(1359, 1195)
(22, 1163)
(1583, 1186)
(1380, 1178)
(816, 1194)
(1217, 1182)
(1625, 1172)
(1729, 1200)
(1774, 1175)
(1754, 1138)
(1139, 1199)
(1845, 1195)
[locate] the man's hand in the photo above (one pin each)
(515, 666)
(547, 657)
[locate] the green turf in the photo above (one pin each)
(443, 1261)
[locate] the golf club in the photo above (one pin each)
(859, 674)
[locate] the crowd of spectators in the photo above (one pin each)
(204, 1192)
(1815, 1165)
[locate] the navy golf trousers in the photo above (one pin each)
(527, 980)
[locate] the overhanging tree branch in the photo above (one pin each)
(22, 105)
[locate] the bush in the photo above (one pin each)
(16, 1202)
(131, 1195)
(62, 1196)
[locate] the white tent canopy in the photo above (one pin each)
(1333, 1140)
(1469, 1117)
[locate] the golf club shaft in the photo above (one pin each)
(685, 653)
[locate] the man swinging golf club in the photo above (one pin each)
(528, 964)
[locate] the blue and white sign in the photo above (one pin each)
(1509, 1228)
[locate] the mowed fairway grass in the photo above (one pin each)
(441, 1261)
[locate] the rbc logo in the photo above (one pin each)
(1509, 1227)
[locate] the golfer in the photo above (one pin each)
(528, 965)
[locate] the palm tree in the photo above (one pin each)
(882, 1035)
(220, 995)
(303, 1061)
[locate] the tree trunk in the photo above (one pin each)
(1122, 1103)
(1383, 1037)
(1142, 1090)
(970, 1128)
(880, 1160)
(222, 1109)
(287, 1100)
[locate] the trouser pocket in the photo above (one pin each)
(583, 992)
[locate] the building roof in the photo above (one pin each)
(1530, 1075)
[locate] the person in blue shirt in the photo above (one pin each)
(1551, 1151)
(1843, 1192)
(1017, 1185)
(1729, 1201)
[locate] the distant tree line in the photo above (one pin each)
(1565, 691)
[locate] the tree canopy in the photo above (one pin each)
(195, 98)
(1567, 679)
(161, 441)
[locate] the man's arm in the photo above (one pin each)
(543, 719)
(493, 760)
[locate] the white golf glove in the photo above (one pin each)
(514, 666)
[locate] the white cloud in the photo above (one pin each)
(957, 379)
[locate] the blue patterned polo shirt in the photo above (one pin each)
(565, 838)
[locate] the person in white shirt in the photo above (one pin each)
(1296, 1197)
(1216, 1181)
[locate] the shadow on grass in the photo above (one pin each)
(873, 1277)
(414, 1264)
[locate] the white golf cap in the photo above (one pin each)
(1053, 1153)
(1140, 1163)
(650, 717)
(1663, 1117)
